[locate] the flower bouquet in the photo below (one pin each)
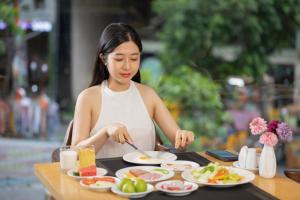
(270, 134)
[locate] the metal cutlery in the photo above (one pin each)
(139, 150)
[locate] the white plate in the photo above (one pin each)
(158, 157)
(179, 165)
(248, 177)
(236, 164)
(100, 172)
(116, 190)
(158, 186)
(122, 173)
(99, 188)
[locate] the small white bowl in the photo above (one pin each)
(194, 187)
(117, 191)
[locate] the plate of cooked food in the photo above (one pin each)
(148, 173)
(179, 165)
(99, 183)
(154, 158)
(216, 175)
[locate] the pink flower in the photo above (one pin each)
(268, 138)
(284, 132)
(273, 125)
(258, 125)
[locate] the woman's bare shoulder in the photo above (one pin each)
(145, 90)
(89, 95)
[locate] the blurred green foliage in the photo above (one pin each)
(195, 99)
(192, 30)
(193, 33)
(8, 15)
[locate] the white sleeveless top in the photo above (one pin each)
(126, 107)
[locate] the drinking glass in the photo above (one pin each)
(251, 160)
(68, 158)
(87, 156)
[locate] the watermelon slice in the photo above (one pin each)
(88, 171)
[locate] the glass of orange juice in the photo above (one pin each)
(87, 160)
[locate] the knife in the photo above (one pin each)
(139, 150)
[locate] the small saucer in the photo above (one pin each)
(236, 164)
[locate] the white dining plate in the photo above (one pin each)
(101, 185)
(188, 187)
(100, 172)
(117, 191)
(179, 165)
(248, 177)
(236, 164)
(157, 157)
(149, 173)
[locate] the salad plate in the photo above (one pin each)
(75, 174)
(176, 187)
(157, 157)
(179, 165)
(101, 183)
(117, 191)
(215, 175)
(149, 173)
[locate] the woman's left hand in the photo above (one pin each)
(183, 138)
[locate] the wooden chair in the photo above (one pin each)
(67, 141)
(293, 174)
(159, 146)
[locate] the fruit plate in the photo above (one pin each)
(149, 173)
(171, 187)
(157, 157)
(99, 183)
(248, 177)
(117, 191)
(179, 165)
(99, 172)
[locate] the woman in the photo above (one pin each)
(116, 108)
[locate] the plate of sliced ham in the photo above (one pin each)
(149, 173)
(176, 187)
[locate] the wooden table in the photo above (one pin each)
(62, 186)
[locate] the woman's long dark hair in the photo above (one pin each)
(112, 36)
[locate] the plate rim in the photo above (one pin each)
(118, 175)
(236, 164)
(115, 188)
(177, 192)
(124, 157)
(81, 177)
(187, 172)
(193, 162)
(101, 188)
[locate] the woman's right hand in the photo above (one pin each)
(118, 133)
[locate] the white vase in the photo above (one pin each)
(267, 162)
